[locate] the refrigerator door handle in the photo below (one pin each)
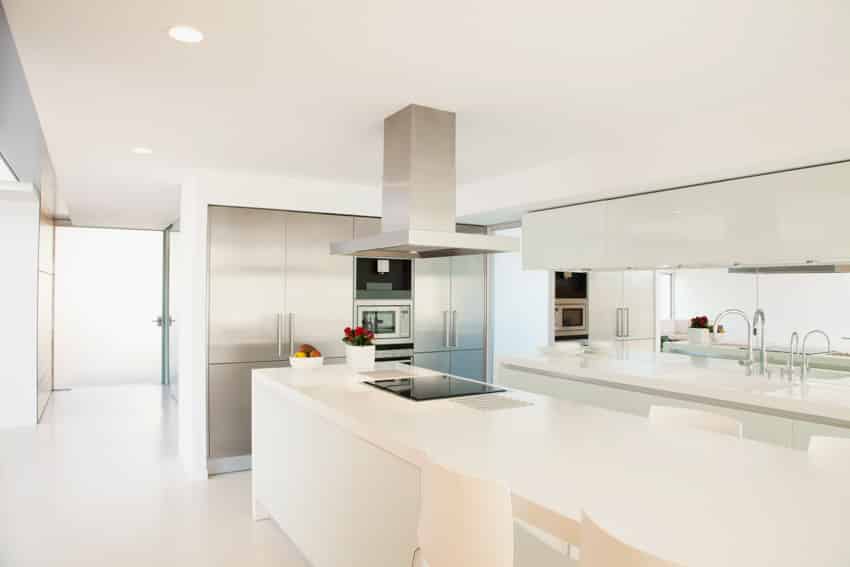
(617, 323)
(446, 329)
(454, 329)
(628, 322)
(279, 331)
(291, 321)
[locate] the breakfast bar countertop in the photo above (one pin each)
(695, 498)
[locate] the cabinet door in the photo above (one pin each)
(605, 296)
(468, 295)
(639, 300)
(468, 364)
(438, 361)
(319, 286)
(229, 408)
(432, 303)
(246, 266)
(570, 238)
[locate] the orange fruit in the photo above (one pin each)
(315, 354)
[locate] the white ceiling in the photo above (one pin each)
(301, 87)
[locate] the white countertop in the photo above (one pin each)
(691, 497)
(705, 379)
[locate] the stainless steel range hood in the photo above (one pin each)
(419, 193)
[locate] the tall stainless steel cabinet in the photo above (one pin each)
(450, 313)
(272, 286)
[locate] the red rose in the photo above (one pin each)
(358, 332)
(347, 331)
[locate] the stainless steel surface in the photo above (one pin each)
(432, 297)
(290, 326)
(319, 291)
(401, 312)
(446, 326)
(419, 193)
(619, 327)
(454, 328)
(468, 364)
(247, 256)
(793, 349)
(749, 361)
(804, 366)
(229, 408)
(812, 268)
(439, 361)
(627, 315)
(280, 335)
(759, 318)
(468, 300)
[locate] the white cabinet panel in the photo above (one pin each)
(639, 300)
(605, 296)
(780, 218)
(570, 238)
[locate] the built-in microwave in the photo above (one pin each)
(570, 317)
(390, 320)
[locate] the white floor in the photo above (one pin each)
(98, 483)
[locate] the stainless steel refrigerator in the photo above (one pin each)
(273, 285)
(450, 306)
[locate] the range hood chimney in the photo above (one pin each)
(419, 193)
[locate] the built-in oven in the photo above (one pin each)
(390, 320)
(571, 317)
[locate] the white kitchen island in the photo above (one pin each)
(336, 465)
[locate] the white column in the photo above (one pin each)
(18, 304)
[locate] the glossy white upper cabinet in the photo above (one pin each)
(569, 238)
(781, 218)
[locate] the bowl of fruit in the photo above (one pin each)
(307, 356)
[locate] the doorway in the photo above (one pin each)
(108, 296)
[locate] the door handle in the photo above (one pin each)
(279, 332)
(618, 323)
(454, 328)
(291, 319)
(628, 322)
(446, 329)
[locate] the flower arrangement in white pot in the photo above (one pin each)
(359, 348)
(699, 331)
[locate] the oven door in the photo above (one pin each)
(572, 318)
(386, 321)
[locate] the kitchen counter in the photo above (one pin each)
(825, 398)
(336, 465)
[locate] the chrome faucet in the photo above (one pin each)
(793, 349)
(721, 315)
(758, 317)
(804, 367)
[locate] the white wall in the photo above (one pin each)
(19, 212)
(108, 291)
(243, 189)
(792, 302)
(521, 304)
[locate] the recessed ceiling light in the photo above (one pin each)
(186, 34)
(142, 151)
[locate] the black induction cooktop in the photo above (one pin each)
(435, 387)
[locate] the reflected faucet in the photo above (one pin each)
(758, 317)
(793, 349)
(804, 367)
(721, 315)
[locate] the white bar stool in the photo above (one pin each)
(600, 549)
(466, 521)
(697, 419)
(824, 450)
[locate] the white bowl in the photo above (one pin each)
(306, 362)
